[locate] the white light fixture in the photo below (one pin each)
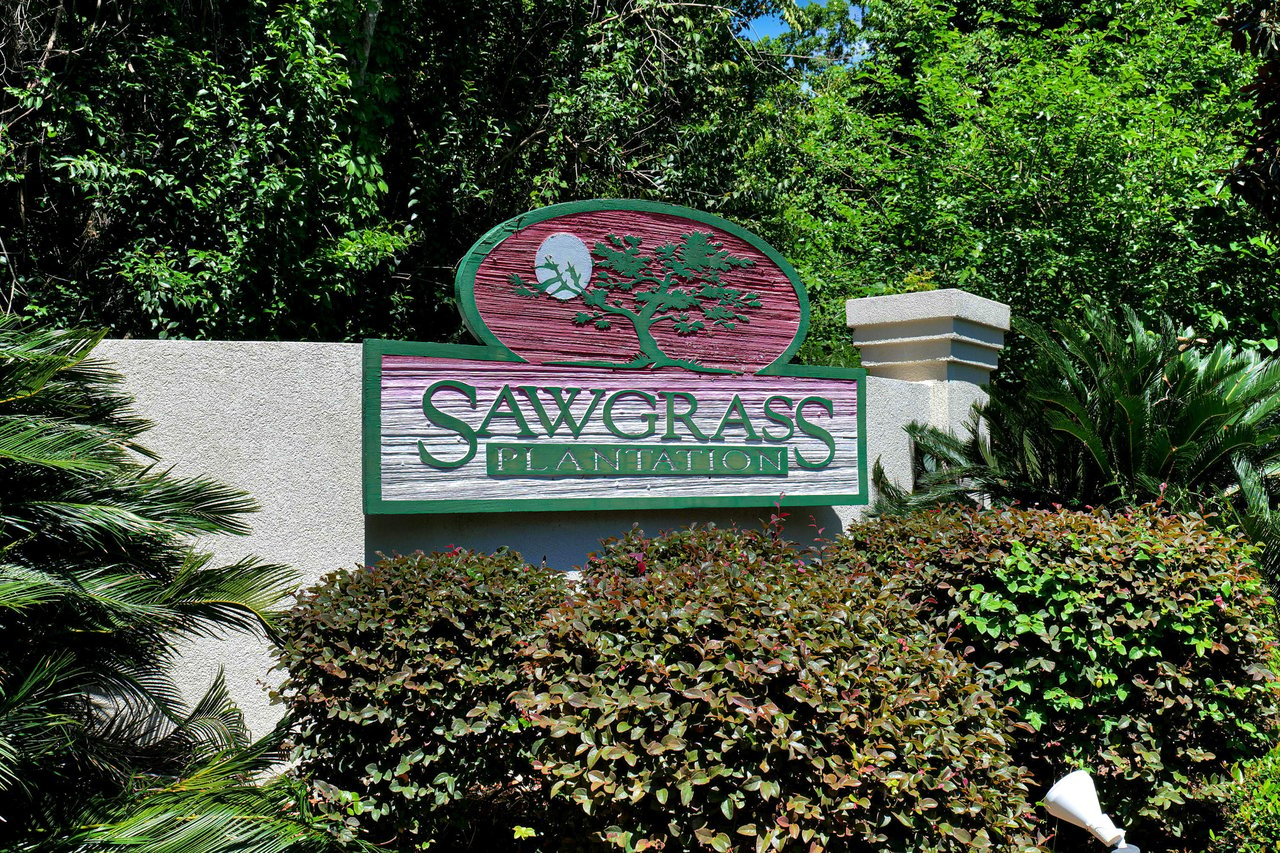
(1075, 800)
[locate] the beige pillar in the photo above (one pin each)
(949, 339)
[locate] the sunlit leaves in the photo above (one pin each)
(1136, 643)
(1040, 158)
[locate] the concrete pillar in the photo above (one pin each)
(950, 339)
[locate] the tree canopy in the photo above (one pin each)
(314, 170)
(1255, 29)
(1042, 154)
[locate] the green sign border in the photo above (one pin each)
(495, 350)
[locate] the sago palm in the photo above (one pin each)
(1114, 414)
(98, 585)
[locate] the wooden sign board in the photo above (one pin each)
(636, 355)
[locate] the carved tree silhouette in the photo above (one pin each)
(680, 283)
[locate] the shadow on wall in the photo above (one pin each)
(563, 540)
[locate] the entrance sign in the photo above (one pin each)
(635, 354)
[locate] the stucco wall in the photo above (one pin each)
(282, 421)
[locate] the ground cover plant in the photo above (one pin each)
(1137, 643)
(634, 553)
(916, 684)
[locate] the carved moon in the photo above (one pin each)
(563, 265)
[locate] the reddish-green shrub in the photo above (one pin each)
(635, 554)
(398, 681)
(1136, 643)
(727, 702)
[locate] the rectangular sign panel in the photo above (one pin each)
(450, 434)
(636, 354)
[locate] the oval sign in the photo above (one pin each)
(632, 285)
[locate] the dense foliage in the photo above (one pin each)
(634, 553)
(703, 691)
(398, 681)
(1137, 644)
(1255, 29)
(1031, 152)
(1254, 813)
(746, 702)
(1121, 414)
(314, 170)
(98, 586)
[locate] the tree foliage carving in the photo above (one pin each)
(680, 283)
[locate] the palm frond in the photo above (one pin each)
(30, 358)
(240, 596)
(35, 721)
(99, 524)
(1122, 412)
(22, 587)
(98, 582)
(218, 806)
(51, 443)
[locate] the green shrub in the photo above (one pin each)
(635, 554)
(398, 679)
(1253, 815)
(1117, 413)
(757, 704)
(1133, 642)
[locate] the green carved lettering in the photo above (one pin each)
(808, 427)
(600, 456)
(779, 418)
(449, 422)
(649, 419)
(554, 461)
(506, 397)
(685, 417)
(736, 415)
(563, 405)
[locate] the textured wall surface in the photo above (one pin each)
(282, 421)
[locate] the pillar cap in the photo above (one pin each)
(935, 335)
(927, 304)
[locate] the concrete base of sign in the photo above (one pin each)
(282, 421)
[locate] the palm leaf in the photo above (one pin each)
(34, 717)
(1125, 412)
(22, 587)
(98, 582)
(49, 443)
(218, 806)
(29, 359)
(240, 596)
